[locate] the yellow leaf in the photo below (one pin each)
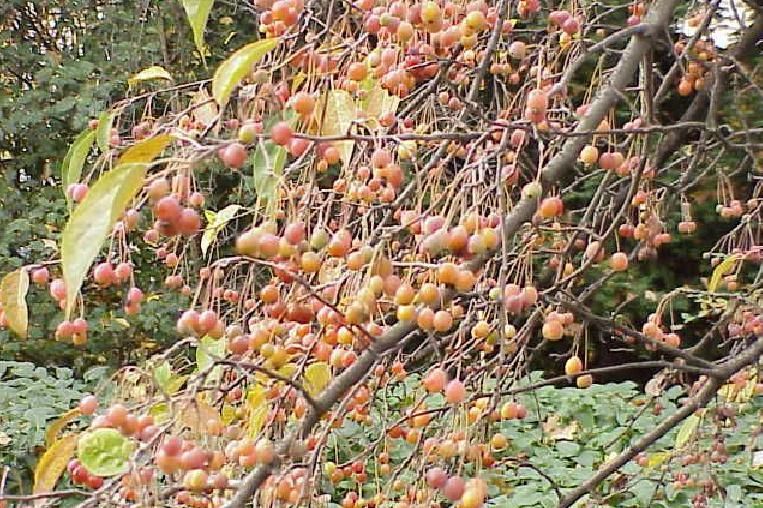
(52, 433)
(205, 110)
(257, 406)
(379, 102)
(228, 414)
(687, 430)
(297, 81)
(146, 150)
(317, 376)
(153, 72)
(53, 463)
(92, 222)
(13, 290)
(340, 113)
(197, 416)
(287, 370)
(722, 269)
(657, 459)
(230, 73)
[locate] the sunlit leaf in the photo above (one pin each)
(145, 151)
(53, 463)
(71, 168)
(722, 269)
(104, 452)
(205, 110)
(379, 102)
(687, 430)
(103, 132)
(230, 73)
(160, 412)
(92, 221)
(198, 15)
(257, 406)
(150, 73)
(13, 290)
(216, 222)
(340, 113)
(317, 377)
(168, 381)
(207, 349)
(58, 425)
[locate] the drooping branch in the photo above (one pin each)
(555, 171)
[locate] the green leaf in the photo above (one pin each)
(148, 74)
(13, 290)
(146, 150)
(268, 162)
(687, 430)
(230, 73)
(198, 15)
(71, 168)
(317, 376)
(722, 269)
(207, 349)
(53, 463)
(168, 381)
(103, 133)
(340, 113)
(216, 222)
(104, 452)
(92, 221)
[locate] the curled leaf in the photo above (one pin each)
(340, 113)
(103, 132)
(53, 463)
(104, 452)
(13, 290)
(722, 269)
(150, 73)
(57, 426)
(230, 73)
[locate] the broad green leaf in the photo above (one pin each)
(687, 430)
(268, 162)
(54, 428)
(317, 377)
(92, 221)
(257, 406)
(150, 73)
(71, 168)
(340, 113)
(103, 132)
(13, 290)
(216, 222)
(146, 150)
(722, 269)
(104, 452)
(198, 15)
(53, 463)
(230, 73)
(168, 381)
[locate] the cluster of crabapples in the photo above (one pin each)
(700, 58)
